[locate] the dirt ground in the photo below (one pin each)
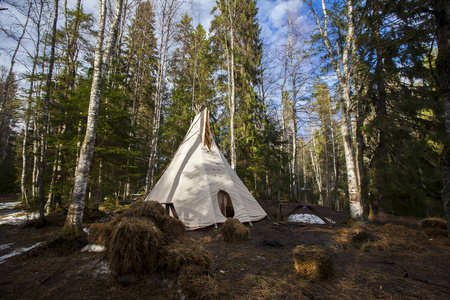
(398, 262)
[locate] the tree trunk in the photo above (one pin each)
(168, 11)
(23, 179)
(231, 87)
(35, 171)
(316, 168)
(4, 136)
(442, 14)
(74, 218)
(360, 145)
(45, 119)
(381, 115)
(342, 66)
(327, 165)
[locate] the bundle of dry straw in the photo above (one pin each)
(134, 246)
(313, 263)
(233, 231)
(199, 283)
(434, 227)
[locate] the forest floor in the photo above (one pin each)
(399, 262)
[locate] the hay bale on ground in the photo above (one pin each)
(184, 252)
(117, 219)
(134, 246)
(198, 283)
(149, 209)
(434, 227)
(100, 233)
(436, 232)
(433, 223)
(233, 231)
(313, 263)
(173, 229)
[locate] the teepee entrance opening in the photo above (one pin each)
(225, 204)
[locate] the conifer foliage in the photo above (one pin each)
(344, 108)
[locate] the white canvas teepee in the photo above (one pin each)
(201, 184)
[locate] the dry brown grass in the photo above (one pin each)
(363, 235)
(100, 233)
(184, 252)
(433, 223)
(434, 227)
(394, 229)
(173, 228)
(198, 283)
(233, 231)
(149, 209)
(134, 246)
(117, 219)
(313, 263)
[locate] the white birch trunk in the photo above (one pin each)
(23, 178)
(168, 12)
(231, 15)
(35, 161)
(343, 71)
(44, 128)
(316, 167)
(74, 218)
(9, 78)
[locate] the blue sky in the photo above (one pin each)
(271, 16)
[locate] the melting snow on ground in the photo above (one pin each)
(18, 218)
(8, 205)
(16, 252)
(93, 248)
(306, 218)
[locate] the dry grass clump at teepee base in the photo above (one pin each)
(313, 263)
(100, 233)
(233, 231)
(173, 228)
(134, 246)
(144, 239)
(149, 209)
(198, 283)
(434, 227)
(184, 252)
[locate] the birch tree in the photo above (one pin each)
(224, 28)
(44, 128)
(340, 60)
(4, 124)
(74, 218)
(166, 13)
(29, 110)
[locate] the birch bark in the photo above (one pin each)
(4, 136)
(340, 59)
(44, 128)
(23, 179)
(74, 218)
(168, 10)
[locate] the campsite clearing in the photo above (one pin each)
(398, 261)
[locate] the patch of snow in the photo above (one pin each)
(102, 269)
(306, 218)
(18, 218)
(5, 246)
(9, 205)
(17, 252)
(93, 248)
